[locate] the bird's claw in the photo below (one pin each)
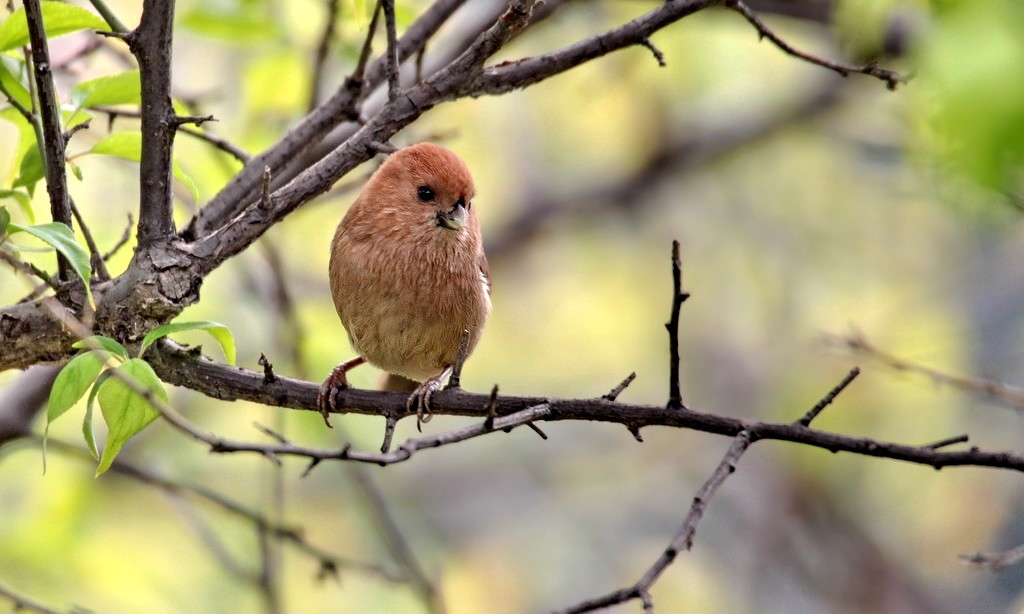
(327, 398)
(419, 400)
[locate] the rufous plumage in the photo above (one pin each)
(408, 273)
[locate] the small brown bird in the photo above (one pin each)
(409, 275)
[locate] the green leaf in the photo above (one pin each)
(11, 84)
(5, 219)
(123, 88)
(30, 171)
(63, 240)
(87, 431)
(125, 411)
(106, 343)
(73, 380)
(218, 331)
(70, 386)
(23, 203)
(75, 170)
(58, 19)
(128, 146)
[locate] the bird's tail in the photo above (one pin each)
(397, 383)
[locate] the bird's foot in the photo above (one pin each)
(327, 399)
(419, 400)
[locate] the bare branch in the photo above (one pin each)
(683, 539)
(994, 560)
(233, 198)
(122, 241)
(614, 393)
(509, 76)
(675, 397)
(949, 441)
(998, 391)
(150, 43)
(292, 535)
(99, 265)
(231, 383)
(52, 144)
(392, 51)
(891, 78)
(826, 400)
(320, 58)
(396, 542)
(20, 602)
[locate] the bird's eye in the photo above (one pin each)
(425, 193)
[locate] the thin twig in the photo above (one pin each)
(1005, 393)
(616, 391)
(99, 266)
(52, 145)
(658, 55)
(322, 48)
(27, 268)
(401, 552)
(123, 240)
(292, 535)
(949, 441)
(25, 112)
(392, 51)
(891, 78)
(826, 400)
(994, 561)
(108, 16)
(675, 397)
(20, 602)
(390, 422)
(683, 539)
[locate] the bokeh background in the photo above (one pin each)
(809, 207)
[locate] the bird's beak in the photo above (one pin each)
(454, 218)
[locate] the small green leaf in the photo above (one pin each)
(11, 84)
(30, 171)
(5, 219)
(123, 88)
(106, 343)
(128, 146)
(87, 431)
(63, 240)
(218, 331)
(23, 203)
(73, 380)
(58, 19)
(75, 170)
(125, 411)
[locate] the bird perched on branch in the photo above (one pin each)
(408, 274)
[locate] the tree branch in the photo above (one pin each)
(292, 535)
(682, 541)
(891, 78)
(150, 43)
(231, 383)
(241, 190)
(52, 147)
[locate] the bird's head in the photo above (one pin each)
(423, 187)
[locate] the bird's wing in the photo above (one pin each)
(485, 273)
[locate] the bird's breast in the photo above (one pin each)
(405, 309)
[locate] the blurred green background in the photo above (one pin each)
(806, 205)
